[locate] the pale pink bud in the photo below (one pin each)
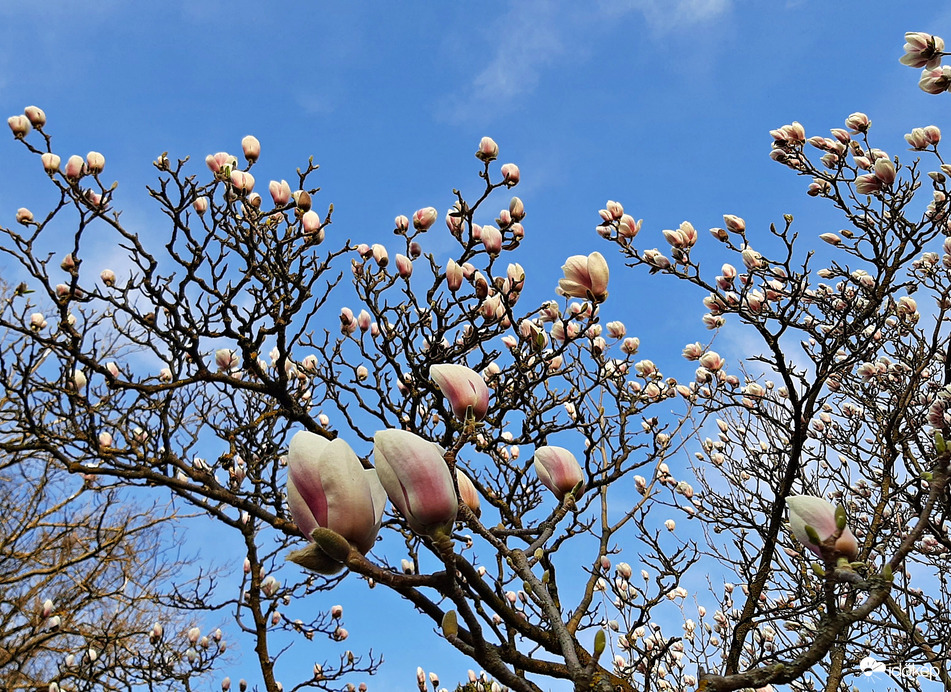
(35, 115)
(734, 223)
(194, 634)
(75, 167)
(624, 570)
(24, 216)
(805, 510)
(95, 162)
(424, 218)
(47, 608)
(510, 174)
(50, 162)
(79, 379)
(492, 239)
(226, 359)
(251, 148)
(105, 440)
(108, 277)
(404, 266)
(488, 150)
(464, 389)
(327, 486)
(242, 180)
(454, 275)
(200, 205)
(858, 122)
(558, 470)
(670, 524)
(885, 171)
(280, 192)
(37, 321)
(516, 209)
(20, 125)
(417, 480)
(380, 255)
(363, 320)
(585, 277)
(467, 492)
(310, 222)
(336, 612)
(165, 375)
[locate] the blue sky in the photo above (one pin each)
(662, 105)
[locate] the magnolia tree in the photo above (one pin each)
(508, 465)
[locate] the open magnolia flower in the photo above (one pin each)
(820, 516)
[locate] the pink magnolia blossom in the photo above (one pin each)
(585, 277)
(936, 80)
(20, 125)
(424, 218)
(50, 162)
(95, 162)
(922, 50)
(488, 150)
(510, 174)
(467, 492)
(492, 239)
(558, 470)
(280, 192)
(75, 167)
(35, 115)
(200, 205)
(221, 164)
(417, 480)
(464, 388)
(242, 180)
(251, 148)
(454, 275)
(805, 510)
(327, 486)
(404, 266)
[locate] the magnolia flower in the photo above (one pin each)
(251, 148)
(424, 218)
(585, 277)
(558, 470)
(327, 486)
(807, 512)
(488, 150)
(935, 81)
(280, 192)
(467, 492)
(464, 388)
(417, 480)
(50, 162)
(510, 174)
(95, 162)
(922, 50)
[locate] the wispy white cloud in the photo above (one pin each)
(665, 15)
(547, 36)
